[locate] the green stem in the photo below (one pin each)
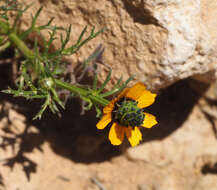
(81, 91)
(21, 46)
(5, 46)
(30, 55)
(12, 36)
(4, 27)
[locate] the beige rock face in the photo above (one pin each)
(160, 41)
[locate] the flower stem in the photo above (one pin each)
(5, 46)
(21, 46)
(4, 27)
(81, 91)
(12, 36)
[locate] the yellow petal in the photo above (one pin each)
(146, 99)
(116, 134)
(149, 121)
(109, 108)
(123, 92)
(135, 91)
(104, 121)
(134, 135)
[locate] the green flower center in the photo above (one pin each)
(127, 113)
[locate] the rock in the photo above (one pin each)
(160, 41)
(144, 187)
(206, 182)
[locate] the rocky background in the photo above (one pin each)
(162, 42)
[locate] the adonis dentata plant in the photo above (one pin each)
(42, 75)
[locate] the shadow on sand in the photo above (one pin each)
(75, 136)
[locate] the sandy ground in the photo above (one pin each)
(69, 153)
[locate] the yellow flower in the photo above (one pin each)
(126, 115)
